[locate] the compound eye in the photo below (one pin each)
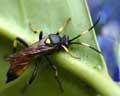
(47, 41)
(65, 40)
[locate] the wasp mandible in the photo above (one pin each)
(19, 61)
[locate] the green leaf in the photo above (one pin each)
(117, 50)
(86, 76)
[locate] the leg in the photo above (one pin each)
(66, 49)
(15, 43)
(36, 31)
(64, 25)
(34, 73)
(87, 45)
(32, 78)
(54, 69)
(40, 35)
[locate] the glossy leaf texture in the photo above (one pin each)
(86, 76)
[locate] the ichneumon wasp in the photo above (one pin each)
(20, 61)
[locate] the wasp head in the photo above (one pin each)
(65, 40)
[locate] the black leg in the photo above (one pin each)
(32, 78)
(40, 35)
(21, 41)
(63, 26)
(36, 31)
(54, 69)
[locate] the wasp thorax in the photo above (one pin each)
(53, 39)
(47, 41)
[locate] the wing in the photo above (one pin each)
(19, 63)
(40, 48)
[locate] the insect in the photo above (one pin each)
(19, 61)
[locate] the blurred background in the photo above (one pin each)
(108, 32)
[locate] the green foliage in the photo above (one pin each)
(86, 76)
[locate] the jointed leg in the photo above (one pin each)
(32, 78)
(40, 35)
(21, 41)
(66, 49)
(64, 25)
(36, 31)
(54, 69)
(33, 74)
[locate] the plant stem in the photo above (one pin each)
(97, 79)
